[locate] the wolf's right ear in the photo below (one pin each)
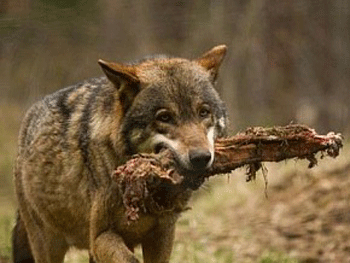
(124, 79)
(119, 74)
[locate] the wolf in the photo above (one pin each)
(72, 140)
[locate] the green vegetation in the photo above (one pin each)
(276, 257)
(10, 116)
(6, 223)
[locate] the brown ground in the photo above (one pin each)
(306, 215)
(312, 219)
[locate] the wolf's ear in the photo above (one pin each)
(124, 79)
(119, 74)
(212, 60)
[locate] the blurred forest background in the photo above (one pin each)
(288, 60)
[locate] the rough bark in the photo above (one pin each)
(152, 184)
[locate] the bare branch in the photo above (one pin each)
(152, 184)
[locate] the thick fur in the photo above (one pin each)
(72, 140)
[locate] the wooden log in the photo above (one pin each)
(151, 183)
(258, 144)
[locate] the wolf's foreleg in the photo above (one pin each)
(105, 244)
(157, 247)
(110, 247)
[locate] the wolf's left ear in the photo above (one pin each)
(124, 78)
(212, 60)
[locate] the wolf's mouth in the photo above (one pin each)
(193, 182)
(193, 177)
(159, 147)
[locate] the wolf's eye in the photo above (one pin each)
(204, 111)
(164, 116)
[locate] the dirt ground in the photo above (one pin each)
(306, 216)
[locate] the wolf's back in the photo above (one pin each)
(59, 161)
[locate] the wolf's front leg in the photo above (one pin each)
(109, 247)
(158, 245)
(106, 246)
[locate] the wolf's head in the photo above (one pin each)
(171, 103)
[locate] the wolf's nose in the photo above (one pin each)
(199, 159)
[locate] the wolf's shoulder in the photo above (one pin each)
(81, 88)
(62, 102)
(68, 97)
